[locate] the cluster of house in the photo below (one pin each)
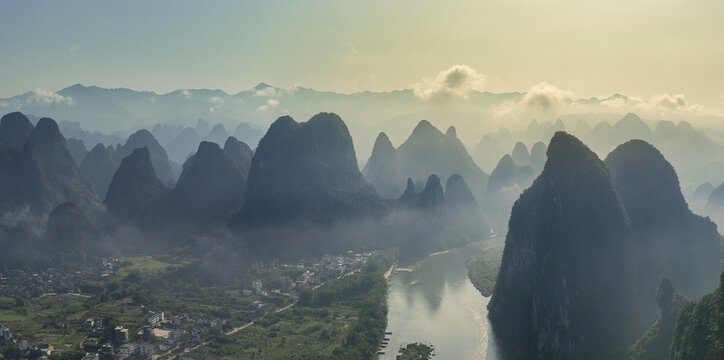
(256, 309)
(330, 267)
(183, 320)
(124, 351)
(168, 331)
(52, 280)
(43, 346)
(120, 336)
(326, 268)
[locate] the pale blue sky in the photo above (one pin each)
(637, 47)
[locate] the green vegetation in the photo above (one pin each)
(483, 269)
(150, 265)
(58, 319)
(416, 351)
(655, 344)
(686, 330)
(160, 284)
(141, 284)
(343, 319)
(699, 332)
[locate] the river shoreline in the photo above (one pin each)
(433, 301)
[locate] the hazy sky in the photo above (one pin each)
(592, 48)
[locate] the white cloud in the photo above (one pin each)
(47, 97)
(672, 102)
(546, 102)
(542, 100)
(265, 92)
(217, 102)
(457, 81)
(546, 98)
(271, 103)
(292, 89)
(656, 105)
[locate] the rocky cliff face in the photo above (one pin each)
(135, 188)
(210, 190)
(716, 198)
(506, 174)
(604, 137)
(159, 157)
(427, 151)
(464, 211)
(538, 157)
(46, 142)
(183, 145)
(218, 134)
(15, 128)
(42, 174)
(77, 150)
(702, 192)
(383, 168)
(98, 167)
(306, 172)
(240, 153)
(435, 219)
(520, 154)
(506, 183)
(675, 243)
(568, 286)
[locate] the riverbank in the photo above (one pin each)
(341, 319)
(483, 269)
(432, 301)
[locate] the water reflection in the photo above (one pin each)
(434, 302)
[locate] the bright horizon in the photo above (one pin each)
(640, 50)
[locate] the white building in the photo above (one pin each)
(5, 333)
(144, 350)
(156, 319)
(257, 286)
(125, 352)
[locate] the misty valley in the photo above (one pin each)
(361, 180)
(280, 247)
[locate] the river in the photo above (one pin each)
(434, 302)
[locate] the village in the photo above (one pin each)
(163, 333)
(53, 280)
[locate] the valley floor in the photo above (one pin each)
(322, 309)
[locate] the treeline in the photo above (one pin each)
(691, 330)
(366, 334)
(699, 332)
(171, 294)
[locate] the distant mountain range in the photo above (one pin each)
(123, 111)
